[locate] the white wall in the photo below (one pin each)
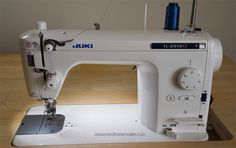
(234, 49)
(1, 25)
(16, 16)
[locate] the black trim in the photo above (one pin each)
(42, 54)
(204, 97)
(30, 59)
(175, 46)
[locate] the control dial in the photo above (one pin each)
(53, 80)
(190, 78)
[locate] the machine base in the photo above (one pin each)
(91, 124)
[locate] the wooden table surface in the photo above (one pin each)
(94, 84)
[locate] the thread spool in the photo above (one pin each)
(172, 17)
(41, 25)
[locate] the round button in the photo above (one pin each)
(190, 78)
(170, 98)
(49, 47)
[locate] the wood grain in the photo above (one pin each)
(99, 84)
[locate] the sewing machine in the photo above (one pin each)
(174, 74)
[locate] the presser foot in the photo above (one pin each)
(50, 108)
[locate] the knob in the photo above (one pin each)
(218, 54)
(190, 78)
(53, 80)
(49, 47)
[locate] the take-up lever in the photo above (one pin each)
(51, 44)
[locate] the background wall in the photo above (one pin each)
(16, 16)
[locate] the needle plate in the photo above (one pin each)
(41, 124)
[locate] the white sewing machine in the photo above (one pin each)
(175, 71)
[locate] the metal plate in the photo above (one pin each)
(40, 124)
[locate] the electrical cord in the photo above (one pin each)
(211, 100)
(209, 125)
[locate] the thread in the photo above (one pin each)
(172, 17)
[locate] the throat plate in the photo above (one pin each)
(41, 124)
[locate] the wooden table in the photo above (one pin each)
(98, 84)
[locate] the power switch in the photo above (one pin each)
(204, 97)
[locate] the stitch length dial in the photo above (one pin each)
(190, 78)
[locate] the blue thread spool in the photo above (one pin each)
(172, 17)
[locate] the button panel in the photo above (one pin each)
(186, 98)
